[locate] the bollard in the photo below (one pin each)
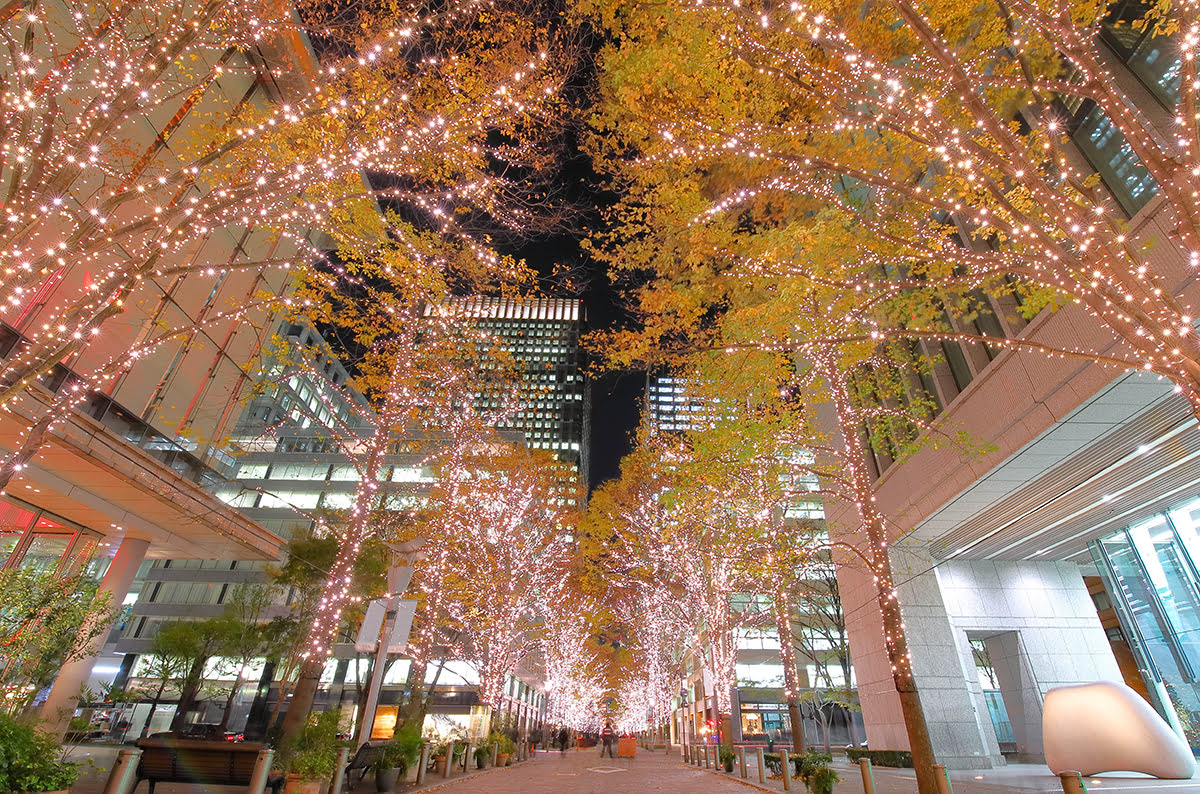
(449, 760)
(468, 757)
(943, 779)
(339, 772)
(742, 761)
(785, 765)
(687, 758)
(867, 775)
(258, 778)
(1072, 783)
(121, 779)
(424, 762)
(762, 767)
(495, 753)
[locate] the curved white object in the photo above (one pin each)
(1107, 727)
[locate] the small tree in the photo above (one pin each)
(46, 621)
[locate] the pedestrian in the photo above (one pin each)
(562, 740)
(535, 738)
(607, 737)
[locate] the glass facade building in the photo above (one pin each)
(542, 336)
(1151, 572)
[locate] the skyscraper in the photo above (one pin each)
(542, 336)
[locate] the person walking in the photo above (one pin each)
(607, 737)
(562, 740)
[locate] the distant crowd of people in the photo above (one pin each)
(560, 738)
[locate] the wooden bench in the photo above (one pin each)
(364, 759)
(214, 763)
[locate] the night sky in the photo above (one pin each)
(616, 397)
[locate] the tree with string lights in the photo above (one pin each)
(430, 110)
(943, 134)
(688, 525)
(503, 514)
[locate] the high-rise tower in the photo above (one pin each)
(542, 336)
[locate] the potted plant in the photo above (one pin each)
(310, 760)
(504, 747)
(396, 757)
(726, 755)
(31, 760)
(440, 752)
(481, 755)
(813, 768)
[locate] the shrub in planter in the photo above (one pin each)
(813, 769)
(396, 757)
(900, 759)
(311, 758)
(727, 757)
(31, 760)
(481, 756)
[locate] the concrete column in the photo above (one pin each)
(60, 704)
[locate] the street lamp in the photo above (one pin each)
(399, 574)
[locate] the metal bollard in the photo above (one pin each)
(762, 767)
(867, 775)
(943, 779)
(424, 762)
(449, 760)
(785, 764)
(1072, 783)
(121, 779)
(468, 757)
(339, 772)
(686, 757)
(495, 753)
(742, 761)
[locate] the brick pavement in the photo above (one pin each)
(584, 772)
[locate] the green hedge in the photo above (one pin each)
(901, 759)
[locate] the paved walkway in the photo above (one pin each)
(584, 772)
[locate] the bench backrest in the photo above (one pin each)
(365, 756)
(196, 761)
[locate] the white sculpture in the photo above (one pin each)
(1107, 727)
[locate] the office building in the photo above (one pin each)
(542, 336)
(1068, 553)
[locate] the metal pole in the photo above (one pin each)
(1072, 783)
(424, 762)
(121, 779)
(469, 757)
(449, 759)
(686, 758)
(943, 779)
(867, 775)
(786, 766)
(339, 772)
(742, 761)
(707, 749)
(495, 752)
(762, 767)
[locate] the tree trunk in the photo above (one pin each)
(850, 727)
(237, 684)
(791, 681)
(153, 707)
(895, 640)
(303, 696)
